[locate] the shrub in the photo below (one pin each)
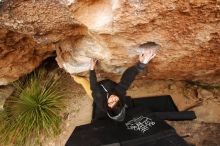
(33, 111)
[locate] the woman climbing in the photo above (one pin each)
(139, 122)
(110, 98)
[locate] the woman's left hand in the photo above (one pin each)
(93, 63)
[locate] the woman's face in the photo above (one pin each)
(112, 101)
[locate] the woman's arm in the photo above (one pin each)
(96, 93)
(128, 77)
(92, 75)
(93, 80)
(130, 74)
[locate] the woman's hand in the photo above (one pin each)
(93, 63)
(147, 55)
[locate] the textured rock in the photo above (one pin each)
(19, 55)
(198, 133)
(205, 94)
(209, 110)
(85, 47)
(28, 31)
(187, 31)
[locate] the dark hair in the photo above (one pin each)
(118, 107)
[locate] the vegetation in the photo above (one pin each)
(33, 111)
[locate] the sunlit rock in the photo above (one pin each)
(187, 31)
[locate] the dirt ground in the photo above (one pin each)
(200, 132)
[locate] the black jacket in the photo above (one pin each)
(100, 95)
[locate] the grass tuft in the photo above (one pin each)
(33, 111)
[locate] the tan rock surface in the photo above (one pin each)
(187, 31)
(28, 31)
(20, 55)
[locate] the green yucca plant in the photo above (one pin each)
(33, 111)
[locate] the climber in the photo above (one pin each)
(119, 120)
(110, 97)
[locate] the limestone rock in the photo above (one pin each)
(208, 112)
(205, 94)
(74, 54)
(28, 33)
(187, 31)
(19, 55)
(198, 133)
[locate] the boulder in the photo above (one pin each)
(187, 31)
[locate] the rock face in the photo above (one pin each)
(29, 31)
(19, 55)
(187, 31)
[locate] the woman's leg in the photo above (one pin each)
(85, 84)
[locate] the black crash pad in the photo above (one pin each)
(141, 127)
